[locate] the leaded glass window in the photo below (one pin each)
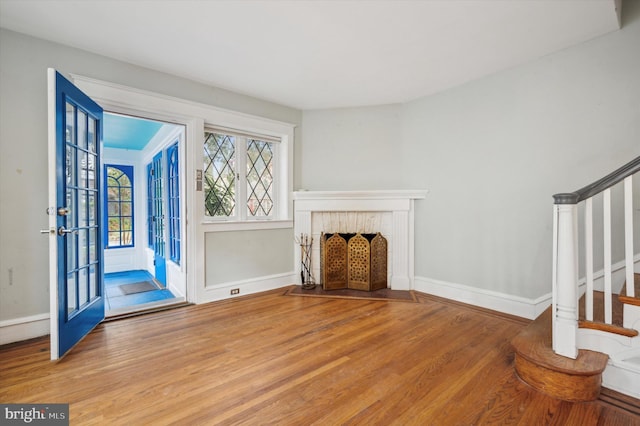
(259, 177)
(239, 167)
(219, 175)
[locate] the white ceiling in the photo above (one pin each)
(318, 54)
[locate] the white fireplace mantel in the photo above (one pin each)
(392, 210)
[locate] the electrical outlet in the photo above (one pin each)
(235, 291)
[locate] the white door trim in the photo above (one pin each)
(53, 242)
(124, 100)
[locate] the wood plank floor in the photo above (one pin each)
(287, 360)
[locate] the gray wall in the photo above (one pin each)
(352, 148)
(264, 252)
(492, 153)
(23, 152)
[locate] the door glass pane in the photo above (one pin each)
(92, 208)
(82, 169)
(71, 251)
(71, 292)
(91, 171)
(83, 247)
(82, 129)
(92, 134)
(92, 245)
(71, 216)
(93, 282)
(82, 208)
(173, 204)
(159, 249)
(70, 161)
(83, 286)
(70, 134)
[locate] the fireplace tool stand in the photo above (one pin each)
(306, 278)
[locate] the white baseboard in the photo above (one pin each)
(501, 302)
(622, 377)
(250, 286)
(15, 330)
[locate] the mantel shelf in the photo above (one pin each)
(391, 194)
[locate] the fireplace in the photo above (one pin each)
(389, 212)
(354, 261)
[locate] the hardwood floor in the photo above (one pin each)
(279, 359)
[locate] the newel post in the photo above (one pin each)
(565, 275)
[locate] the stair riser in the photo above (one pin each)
(631, 317)
(603, 342)
(568, 387)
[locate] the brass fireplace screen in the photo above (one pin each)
(355, 261)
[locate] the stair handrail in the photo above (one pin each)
(565, 254)
(631, 168)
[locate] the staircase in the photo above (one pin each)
(587, 343)
(582, 378)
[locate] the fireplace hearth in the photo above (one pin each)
(354, 261)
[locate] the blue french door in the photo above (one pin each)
(157, 218)
(78, 303)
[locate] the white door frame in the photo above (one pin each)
(124, 100)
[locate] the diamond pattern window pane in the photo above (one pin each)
(219, 174)
(259, 178)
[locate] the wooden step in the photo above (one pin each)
(564, 378)
(610, 328)
(628, 299)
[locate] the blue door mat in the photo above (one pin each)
(139, 287)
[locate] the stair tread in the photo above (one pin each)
(611, 328)
(635, 300)
(535, 344)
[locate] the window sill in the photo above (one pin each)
(246, 226)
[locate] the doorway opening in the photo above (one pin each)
(143, 215)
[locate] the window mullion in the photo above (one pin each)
(241, 177)
(276, 180)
